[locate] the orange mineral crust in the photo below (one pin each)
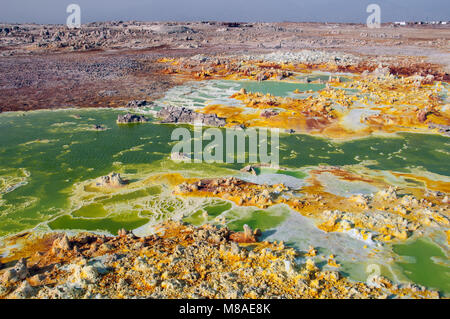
(368, 102)
(178, 261)
(391, 214)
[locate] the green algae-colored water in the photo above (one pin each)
(199, 94)
(422, 268)
(45, 153)
(49, 159)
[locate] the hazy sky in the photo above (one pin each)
(54, 11)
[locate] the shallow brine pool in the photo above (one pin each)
(49, 159)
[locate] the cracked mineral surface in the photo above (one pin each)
(94, 203)
(179, 261)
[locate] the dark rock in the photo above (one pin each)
(422, 116)
(257, 232)
(17, 273)
(249, 169)
(112, 179)
(261, 77)
(173, 114)
(21, 269)
(269, 113)
(84, 238)
(98, 127)
(131, 118)
(137, 103)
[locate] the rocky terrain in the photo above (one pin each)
(173, 114)
(395, 98)
(109, 64)
(178, 261)
(131, 118)
(399, 71)
(111, 180)
(399, 214)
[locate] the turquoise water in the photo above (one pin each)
(278, 88)
(58, 151)
(49, 159)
